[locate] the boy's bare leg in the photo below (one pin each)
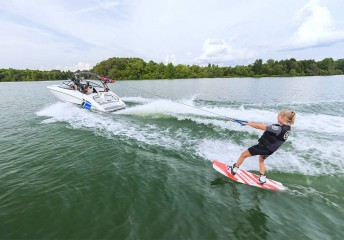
(261, 165)
(242, 157)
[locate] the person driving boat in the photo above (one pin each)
(88, 88)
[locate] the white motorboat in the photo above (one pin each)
(88, 90)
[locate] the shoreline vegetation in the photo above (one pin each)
(138, 69)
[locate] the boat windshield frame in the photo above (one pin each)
(84, 77)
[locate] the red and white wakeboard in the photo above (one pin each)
(247, 178)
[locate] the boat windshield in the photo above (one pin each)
(87, 82)
(94, 80)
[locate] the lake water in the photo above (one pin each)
(145, 172)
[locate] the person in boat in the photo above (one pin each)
(72, 85)
(77, 83)
(87, 88)
(273, 137)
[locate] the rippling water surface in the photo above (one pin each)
(145, 172)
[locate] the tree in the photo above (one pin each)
(340, 65)
(182, 71)
(241, 71)
(257, 66)
(293, 67)
(170, 71)
(136, 68)
(327, 65)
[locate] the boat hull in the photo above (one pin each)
(102, 101)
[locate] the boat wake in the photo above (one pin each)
(192, 129)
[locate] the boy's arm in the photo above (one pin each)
(257, 125)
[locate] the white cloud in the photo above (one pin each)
(316, 27)
(99, 5)
(62, 33)
(79, 66)
(220, 51)
(170, 59)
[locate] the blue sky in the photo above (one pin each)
(75, 34)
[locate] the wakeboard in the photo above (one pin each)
(248, 178)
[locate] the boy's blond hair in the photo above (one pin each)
(289, 116)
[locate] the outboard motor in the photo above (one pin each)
(86, 105)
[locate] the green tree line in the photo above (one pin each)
(16, 75)
(136, 69)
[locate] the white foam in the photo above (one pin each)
(161, 106)
(295, 103)
(311, 153)
(320, 123)
(221, 150)
(284, 161)
(137, 99)
(102, 125)
(311, 148)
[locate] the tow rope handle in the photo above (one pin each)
(241, 122)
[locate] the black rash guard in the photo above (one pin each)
(274, 136)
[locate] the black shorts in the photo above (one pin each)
(259, 149)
